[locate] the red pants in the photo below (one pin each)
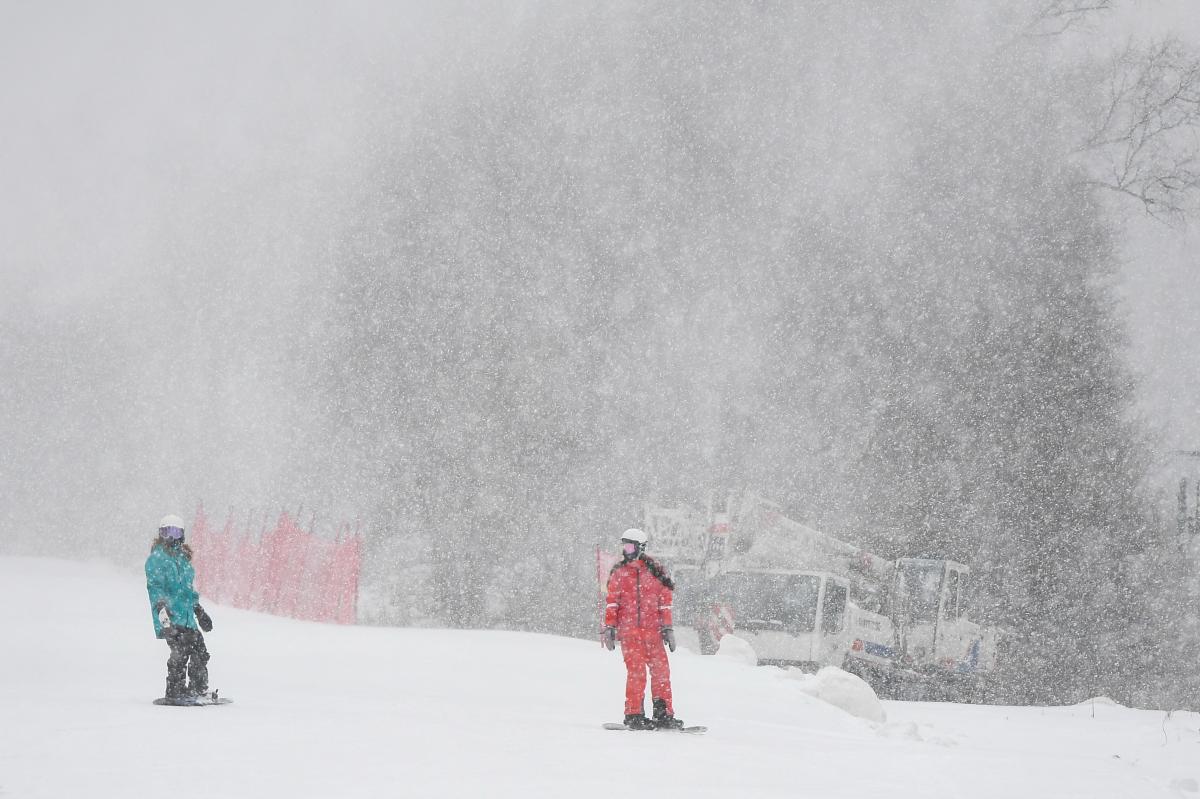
(642, 648)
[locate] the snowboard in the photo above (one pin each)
(195, 701)
(694, 730)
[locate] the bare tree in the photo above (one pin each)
(1145, 142)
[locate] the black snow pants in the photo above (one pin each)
(188, 661)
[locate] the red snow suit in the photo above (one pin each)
(639, 606)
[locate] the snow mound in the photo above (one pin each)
(1100, 700)
(738, 649)
(842, 690)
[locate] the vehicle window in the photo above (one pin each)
(686, 598)
(799, 601)
(950, 611)
(920, 587)
(779, 601)
(833, 611)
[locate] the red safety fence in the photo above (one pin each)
(284, 570)
(605, 560)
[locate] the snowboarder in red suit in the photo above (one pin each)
(638, 615)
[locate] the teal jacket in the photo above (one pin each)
(169, 577)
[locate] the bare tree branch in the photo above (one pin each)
(1054, 17)
(1146, 137)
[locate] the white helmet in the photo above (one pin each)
(171, 520)
(635, 535)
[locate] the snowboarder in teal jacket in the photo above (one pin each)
(176, 612)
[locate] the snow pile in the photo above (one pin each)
(830, 685)
(737, 649)
(843, 690)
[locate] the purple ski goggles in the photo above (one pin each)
(172, 533)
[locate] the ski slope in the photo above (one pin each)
(326, 711)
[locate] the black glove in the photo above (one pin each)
(205, 621)
(669, 638)
(609, 637)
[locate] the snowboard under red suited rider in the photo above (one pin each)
(638, 614)
(178, 617)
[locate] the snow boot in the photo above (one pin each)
(176, 690)
(638, 721)
(662, 719)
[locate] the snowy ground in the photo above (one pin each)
(324, 711)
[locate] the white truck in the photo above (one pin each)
(804, 598)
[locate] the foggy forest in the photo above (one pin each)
(486, 278)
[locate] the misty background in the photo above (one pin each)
(489, 277)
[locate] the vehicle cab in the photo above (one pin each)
(789, 617)
(931, 606)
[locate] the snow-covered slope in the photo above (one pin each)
(324, 711)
